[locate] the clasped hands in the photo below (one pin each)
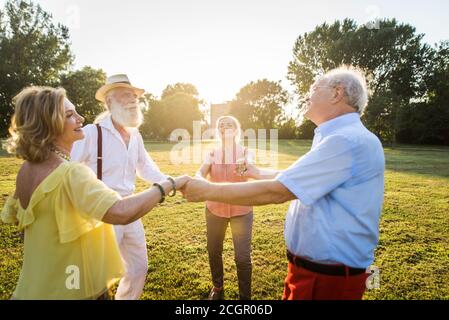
(196, 189)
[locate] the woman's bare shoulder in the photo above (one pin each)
(23, 174)
(30, 176)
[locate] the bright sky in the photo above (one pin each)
(219, 46)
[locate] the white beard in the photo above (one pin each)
(129, 116)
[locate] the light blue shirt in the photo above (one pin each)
(339, 184)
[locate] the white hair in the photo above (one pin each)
(353, 81)
(106, 111)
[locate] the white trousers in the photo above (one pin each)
(133, 249)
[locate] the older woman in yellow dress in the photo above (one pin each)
(70, 250)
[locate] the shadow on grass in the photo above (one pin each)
(427, 161)
(432, 161)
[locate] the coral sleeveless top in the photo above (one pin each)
(224, 171)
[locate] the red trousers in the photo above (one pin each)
(302, 284)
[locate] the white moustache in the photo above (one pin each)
(132, 107)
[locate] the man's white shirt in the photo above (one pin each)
(120, 163)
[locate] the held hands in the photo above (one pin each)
(181, 181)
(195, 189)
(198, 189)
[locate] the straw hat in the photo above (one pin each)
(116, 81)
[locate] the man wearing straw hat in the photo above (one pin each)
(113, 148)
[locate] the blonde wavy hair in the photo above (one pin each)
(37, 121)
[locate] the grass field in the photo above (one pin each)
(413, 252)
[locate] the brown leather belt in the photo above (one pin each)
(330, 270)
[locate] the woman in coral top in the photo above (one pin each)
(66, 213)
(224, 164)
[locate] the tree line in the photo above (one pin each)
(408, 79)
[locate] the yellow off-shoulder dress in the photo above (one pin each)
(68, 252)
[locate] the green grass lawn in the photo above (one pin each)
(413, 252)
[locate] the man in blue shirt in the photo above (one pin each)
(332, 225)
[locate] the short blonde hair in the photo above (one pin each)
(37, 121)
(236, 123)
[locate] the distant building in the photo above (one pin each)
(217, 111)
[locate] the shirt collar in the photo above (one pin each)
(330, 126)
(106, 123)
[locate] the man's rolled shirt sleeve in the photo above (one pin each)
(320, 171)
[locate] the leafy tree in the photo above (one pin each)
(306, 130)
(393, 56)
(81, 86)
(426, 121)
(437, 85)
(260, 104)
(154, 123)
(187, 88)
(33, 51)
(288, 129)
(178, 107)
